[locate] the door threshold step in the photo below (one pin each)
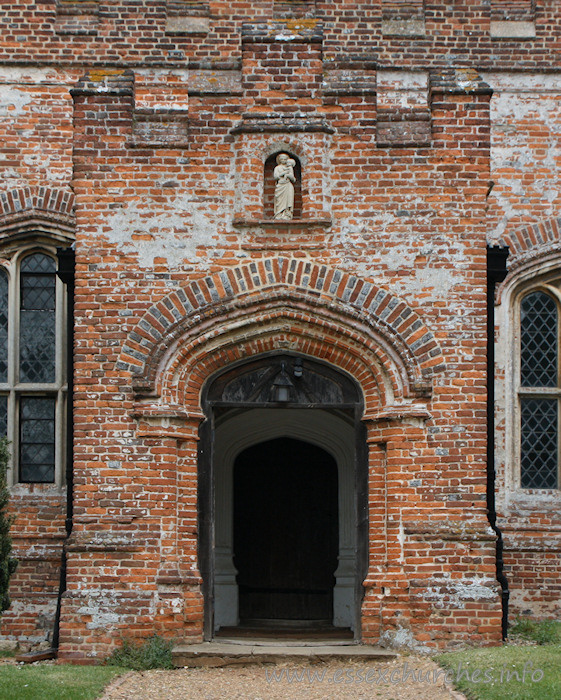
(286, 630)
(225, 653)
(267, 641)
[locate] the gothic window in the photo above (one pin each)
(31, 366)
(539, 391)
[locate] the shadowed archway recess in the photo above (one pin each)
(281, 397)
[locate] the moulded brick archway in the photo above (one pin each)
(262, 305)
(532, 249)
(528, 241)
(262, 309)
(40, 209)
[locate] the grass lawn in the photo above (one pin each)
(55, 682)
(69, 682)
(513, 672)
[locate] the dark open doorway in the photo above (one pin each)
(286, 534)
(268, 417)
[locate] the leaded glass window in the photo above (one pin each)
(32, 383)
(37, 438)
(539, 442)
(37, 321)
(538, 352)
(539, 391)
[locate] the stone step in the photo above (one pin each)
(225, 652)
(33, 656)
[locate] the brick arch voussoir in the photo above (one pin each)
(202, 300)
(532, 242)
(37, 204)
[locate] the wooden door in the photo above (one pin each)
(285, 531)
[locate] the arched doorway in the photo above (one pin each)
(281, 424)
(286, 531)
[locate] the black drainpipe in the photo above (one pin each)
(496, 272)
(66, 267)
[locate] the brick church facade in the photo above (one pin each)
(221, 418)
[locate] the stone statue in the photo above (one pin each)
(284, 187)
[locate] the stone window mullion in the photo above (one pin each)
(34, 389)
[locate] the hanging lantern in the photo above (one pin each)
(282, 386)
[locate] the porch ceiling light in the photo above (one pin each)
(282, 386)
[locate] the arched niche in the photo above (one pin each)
(269, 185)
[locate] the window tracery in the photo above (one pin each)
(32, 381)
(539, 390)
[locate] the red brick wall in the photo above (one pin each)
(162, 133)
(38, 534)
(523, 214)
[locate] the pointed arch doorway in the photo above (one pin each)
(282, 496)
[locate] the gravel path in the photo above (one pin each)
(335, 680)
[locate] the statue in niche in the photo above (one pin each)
(284, 187)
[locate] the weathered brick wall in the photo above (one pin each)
(36, 127)
(149, 216)
(512, 10)
(160, 117)
(36, 157)
(523, 214)
(102, 32)
(38, 534)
